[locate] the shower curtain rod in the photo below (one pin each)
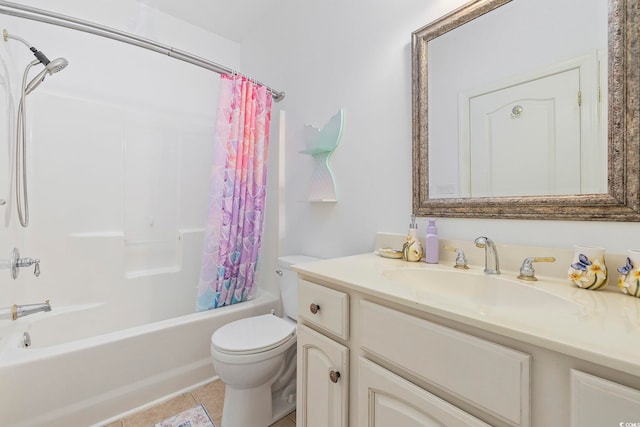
(35, 14)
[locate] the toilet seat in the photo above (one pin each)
(253, 335)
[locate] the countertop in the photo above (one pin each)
(602, 326)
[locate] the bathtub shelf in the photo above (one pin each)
(320, 144)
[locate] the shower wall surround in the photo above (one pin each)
(119, 160)
(323, 61)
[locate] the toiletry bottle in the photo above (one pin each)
(412, 248)
(431, 245)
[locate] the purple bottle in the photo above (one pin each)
(432, 243)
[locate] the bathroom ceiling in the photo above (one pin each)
(229, 19)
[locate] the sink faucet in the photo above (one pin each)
(491, 262)
(17, 311)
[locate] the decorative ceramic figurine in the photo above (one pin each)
(412, 249)
(629, 279)
(588, 270)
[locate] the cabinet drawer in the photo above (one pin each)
(385, 399)
(323, 307)
(489, 376)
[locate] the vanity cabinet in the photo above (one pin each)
(323, 362)
(489, 376)
(403, 366)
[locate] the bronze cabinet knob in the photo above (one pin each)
(314, 308)
(334, 376)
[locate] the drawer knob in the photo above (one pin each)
(334, 376)
(315, 308)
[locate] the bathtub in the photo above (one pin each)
(80, 371)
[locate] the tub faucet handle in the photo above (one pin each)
(28, 262)
(14, 263)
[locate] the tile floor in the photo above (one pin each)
(210, 395)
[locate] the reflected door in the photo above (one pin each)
(524, 139)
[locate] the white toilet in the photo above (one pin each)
(256, 359)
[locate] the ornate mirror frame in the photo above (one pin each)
(621, 203)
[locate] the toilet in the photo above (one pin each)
(256, 358)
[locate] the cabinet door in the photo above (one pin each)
(323, 381)
(489, 376)
(386, 399)
(597, 402)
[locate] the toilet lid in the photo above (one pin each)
(253, 334)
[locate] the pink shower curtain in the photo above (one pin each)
(237, 192)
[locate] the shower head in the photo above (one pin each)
(50, 68)
(57, 65)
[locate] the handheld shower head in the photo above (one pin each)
(57, 65)
(51, 68)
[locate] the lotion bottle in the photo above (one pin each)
(432, 243)
(412, 248)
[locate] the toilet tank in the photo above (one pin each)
(289, 283)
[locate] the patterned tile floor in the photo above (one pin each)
(210, 395)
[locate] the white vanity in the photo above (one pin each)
(384, 342)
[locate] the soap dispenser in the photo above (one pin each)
(412, 248)
(431, 246)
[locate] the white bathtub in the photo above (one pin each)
(71, 376)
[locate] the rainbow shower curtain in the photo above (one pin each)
(235, 217)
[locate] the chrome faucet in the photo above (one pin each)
(15, 262)
(491, 262)
(17, 311)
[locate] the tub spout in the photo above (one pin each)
(17, 311)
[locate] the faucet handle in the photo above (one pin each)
(461, 259)
(527, 271)
(27, 262)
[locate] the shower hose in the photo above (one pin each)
(22, 199)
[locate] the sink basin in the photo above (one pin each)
(484, 292)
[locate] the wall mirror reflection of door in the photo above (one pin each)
(514, 56)
(537, 134)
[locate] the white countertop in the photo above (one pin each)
(602, 326)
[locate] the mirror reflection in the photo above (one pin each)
(519, 158)
(517, 102)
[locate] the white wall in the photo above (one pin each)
(119, 157)
(332, 54)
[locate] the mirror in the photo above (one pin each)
(473, 108)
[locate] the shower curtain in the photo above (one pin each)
(235, 217)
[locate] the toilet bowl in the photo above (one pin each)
(255, 357)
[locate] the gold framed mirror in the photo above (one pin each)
(620, 197)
